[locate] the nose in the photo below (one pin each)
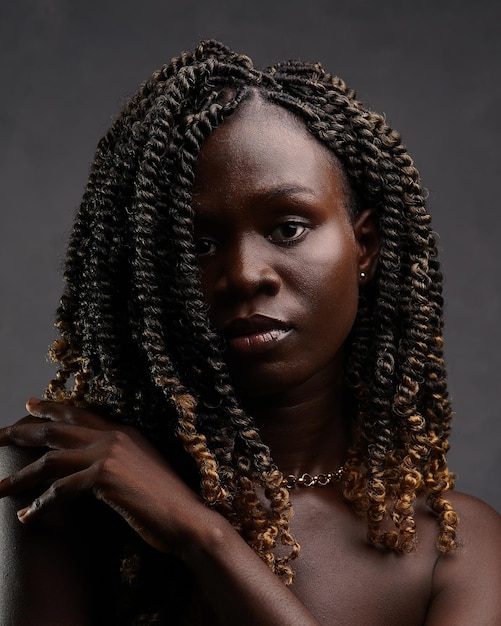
(248, 269)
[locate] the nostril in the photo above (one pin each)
(248, 273)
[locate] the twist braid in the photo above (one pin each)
(136, 342)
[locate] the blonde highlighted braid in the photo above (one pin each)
(136, 342)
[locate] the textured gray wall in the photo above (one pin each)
(432, 67)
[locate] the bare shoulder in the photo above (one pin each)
(472, 507)
(479, 524)
(467, 582)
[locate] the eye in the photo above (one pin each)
(204, 246)
(289, 232)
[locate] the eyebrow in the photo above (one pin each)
(202, 213)
(288, 190)
(280, 191)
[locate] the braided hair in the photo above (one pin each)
(135, 341)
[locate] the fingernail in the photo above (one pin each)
(22, 514)
(32, 404)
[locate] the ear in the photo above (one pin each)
(367, 240)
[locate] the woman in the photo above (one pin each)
(251, 389)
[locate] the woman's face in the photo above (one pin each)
(279, 255)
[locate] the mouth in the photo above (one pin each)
(255, 333)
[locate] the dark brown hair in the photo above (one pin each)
(136, 343)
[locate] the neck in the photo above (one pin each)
(306, 429)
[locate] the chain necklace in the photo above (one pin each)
(319, 480)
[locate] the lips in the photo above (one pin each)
(255, 333)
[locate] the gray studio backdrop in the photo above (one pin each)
(433, 68)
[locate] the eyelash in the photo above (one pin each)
(292, 240)
(281, 242)
(197, 243)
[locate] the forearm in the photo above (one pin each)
(239, 585)
(118, 466)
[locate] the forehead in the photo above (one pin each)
(267, 145)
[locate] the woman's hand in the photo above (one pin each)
(88, 454)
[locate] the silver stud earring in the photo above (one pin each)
(362, 275)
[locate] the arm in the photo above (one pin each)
(121, 468)
(467, 584)
(242, 589)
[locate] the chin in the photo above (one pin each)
(272, 380)
(253, 385)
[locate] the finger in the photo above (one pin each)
(51, 466)
(59, 412)
(47, 434)
(5, 432)
(60, 491)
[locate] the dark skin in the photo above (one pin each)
(281, 261)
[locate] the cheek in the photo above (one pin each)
(330, 300)
(328, 277)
